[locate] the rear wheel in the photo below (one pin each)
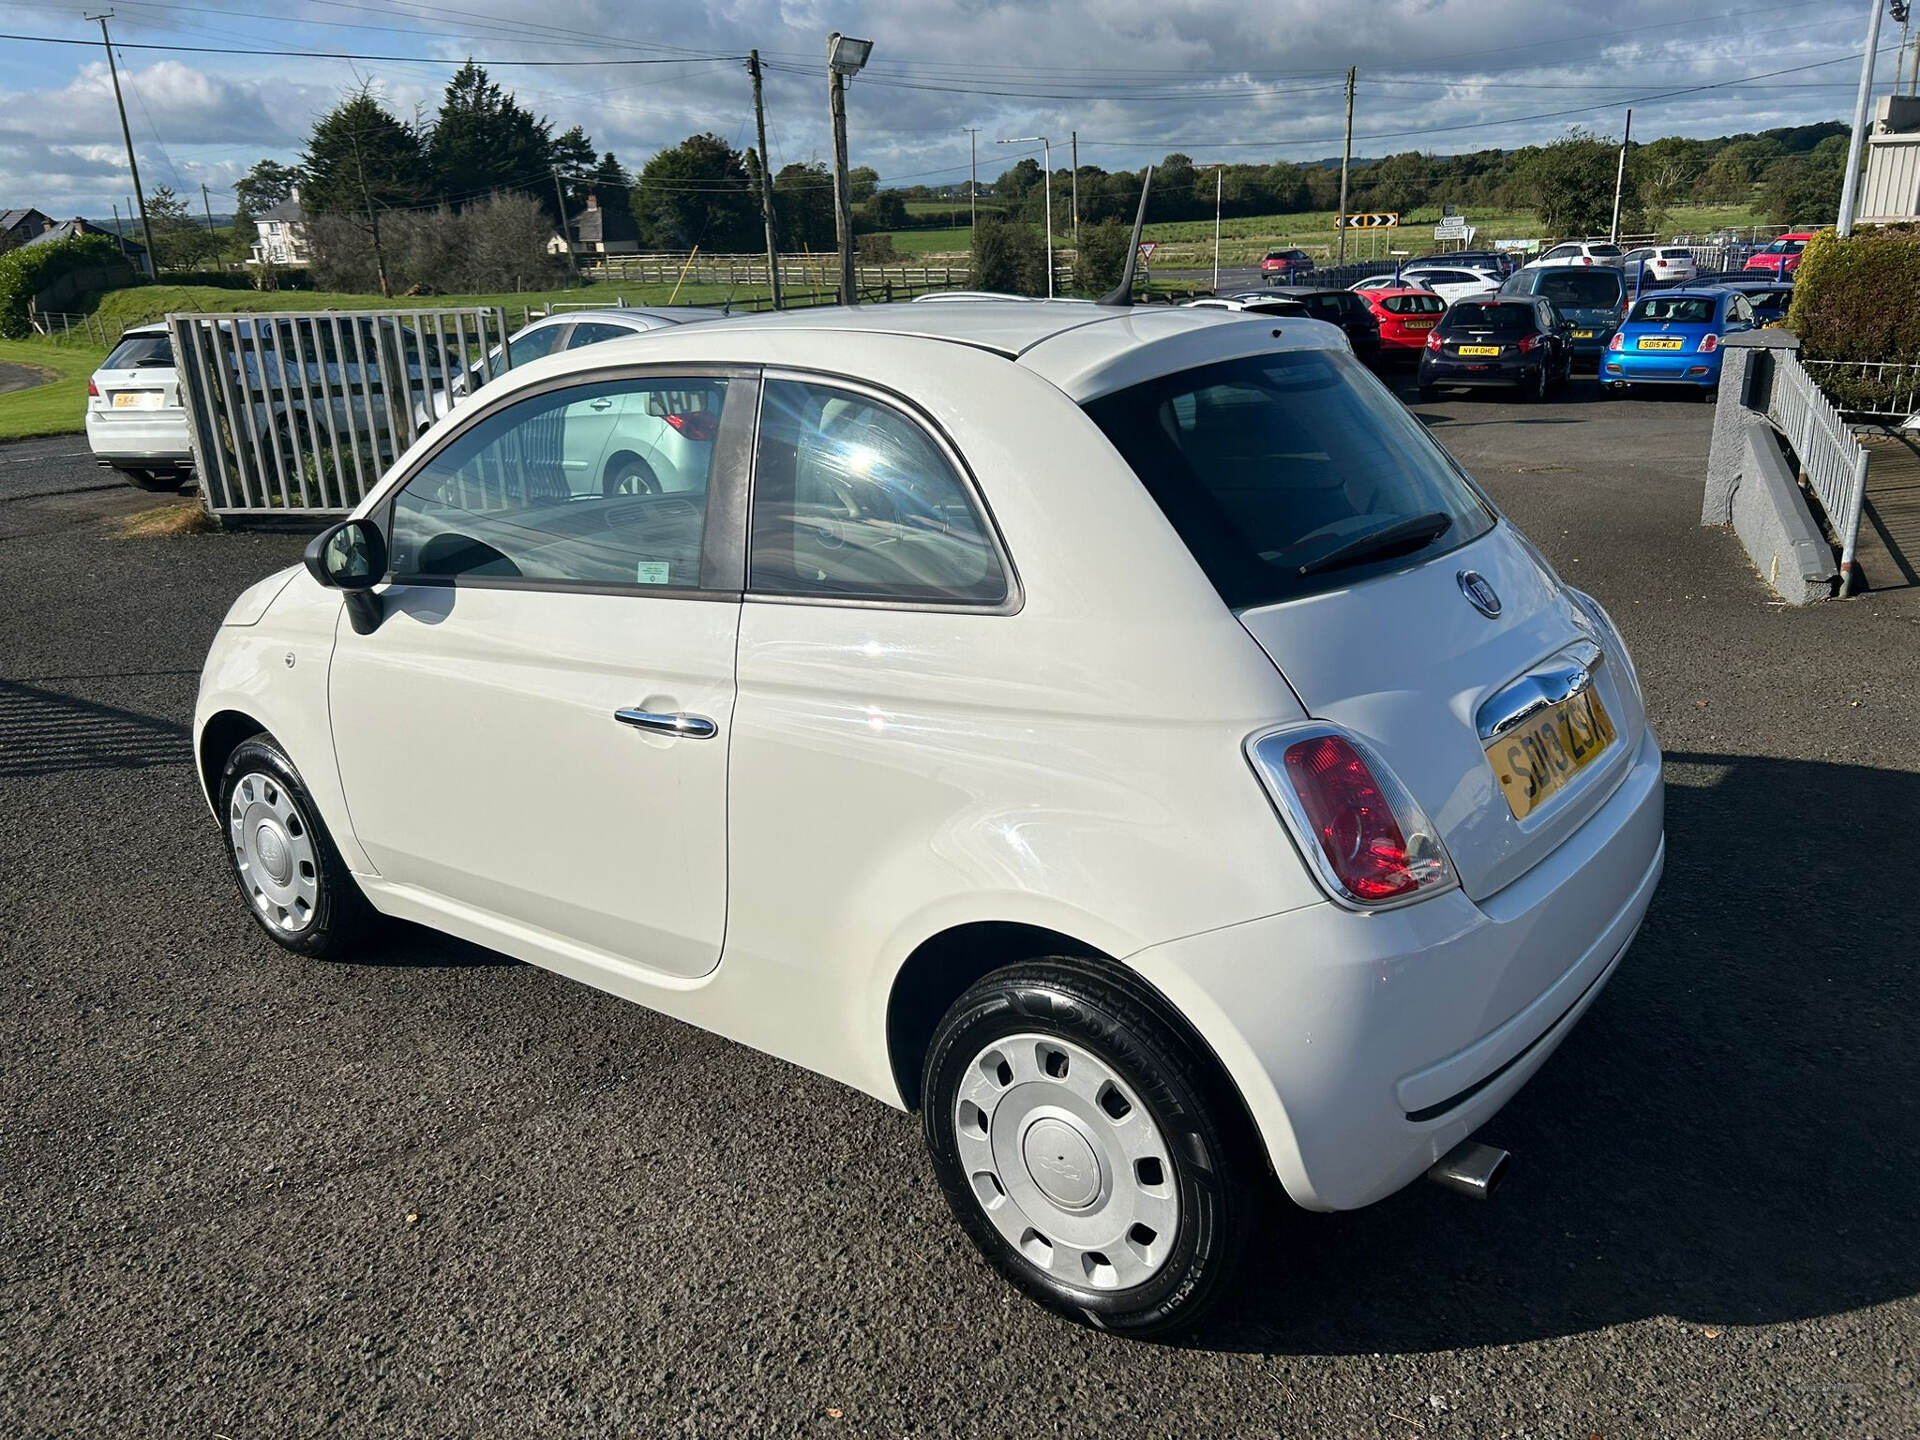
(1088, 1147)
(630, 475)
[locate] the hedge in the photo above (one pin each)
(25, 272)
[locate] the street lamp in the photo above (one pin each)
(1047, 145)
(846, 57)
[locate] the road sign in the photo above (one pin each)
(1146, 249)
(1387, 221)
(1454, 227)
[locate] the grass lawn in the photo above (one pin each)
(59, 406)
(955, 241)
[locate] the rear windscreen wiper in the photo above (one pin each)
(1378, 544)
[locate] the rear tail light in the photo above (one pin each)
(1433, 340)
(1617, 342)
(1709, 344)
(1528, 344)
(93, 390)
(696, 424)
(1367, 839)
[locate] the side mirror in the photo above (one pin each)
(351, 557)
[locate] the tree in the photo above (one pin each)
(266, 185)
(884, 210)
(1569, 183)
(360, 158)
(483, 141)
(1009, 257)
(803, 205)
(697, 193)
(1664, 173)
(862, 182)
(1737, 168)
(1803, 189)
(1101, 256)
(181, 241)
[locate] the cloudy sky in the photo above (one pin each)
(1217, 79)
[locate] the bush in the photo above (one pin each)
(26, 272)
(1010, 258)
(876, 249)
(1101, 257)
(1859, 298)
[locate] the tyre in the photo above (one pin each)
(629, 475)
(1090, 1147)
(290, 874)
(1535, 389)
(159, 481)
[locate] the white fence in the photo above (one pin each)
(1832, 462)
(1884, 389)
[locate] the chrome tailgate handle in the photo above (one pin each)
(691, 727)
(1541, 688)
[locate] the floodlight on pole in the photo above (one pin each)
(846, 57)
(1047, 145)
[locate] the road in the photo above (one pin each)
(441, 1193)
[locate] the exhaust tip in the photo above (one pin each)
(1471, 1168)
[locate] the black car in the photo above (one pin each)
(1336, 307)
(1768, 297)
(1592, 298)
(1509, 341)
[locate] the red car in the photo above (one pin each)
(1406, 317)
(1286, 267)
(1782, 257)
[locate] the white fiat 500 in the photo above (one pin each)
(1120, 735)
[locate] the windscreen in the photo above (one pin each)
(141, 352)
(1274, 467)
(1502, 319)
(1676, 254)
(1581, 288)
(1679, 309)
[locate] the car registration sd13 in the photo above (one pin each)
(1539, 757)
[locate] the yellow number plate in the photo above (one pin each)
(1420, 324)
(1583, 334)
(136, 399)
(1479, 349)
(1650, 342)
(1535, 760)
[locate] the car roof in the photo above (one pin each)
(1687, 292)
(1084, 350)
(156, 327)
(640, 317)
(1298, 292)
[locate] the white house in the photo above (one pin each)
(283, 233)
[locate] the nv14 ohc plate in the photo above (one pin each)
(1540, 756)
(1479, 349)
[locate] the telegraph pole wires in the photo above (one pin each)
(126, 134)
(1346, 158)
(766, 178)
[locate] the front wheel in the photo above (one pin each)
(1088, 1146)
(295, 884)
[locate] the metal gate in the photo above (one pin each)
(301, 412)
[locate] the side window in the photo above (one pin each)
(851, 499)
(600, 484)
(532, 344)
(592, 332)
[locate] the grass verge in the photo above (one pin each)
(57, 407)
(163, 522)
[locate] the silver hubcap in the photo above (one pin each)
(1066, 1162)
(273, 851)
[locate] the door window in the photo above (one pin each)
(532, 344)
(853, 500)
(602, 485)
(592, 332)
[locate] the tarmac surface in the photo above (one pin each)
(440, 1193)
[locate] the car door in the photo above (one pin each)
(534, 736)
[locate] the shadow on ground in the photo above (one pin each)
(1729, 1137)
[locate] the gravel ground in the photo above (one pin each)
(439, 1193)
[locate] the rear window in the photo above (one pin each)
(1577, 288)
(1680, 310)
(1507, 319)
(1605, 252)
(1676, 254)
(141, 352)
(1413, 304)
(1269, 464)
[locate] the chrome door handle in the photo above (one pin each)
(691, 727)
(600, 404)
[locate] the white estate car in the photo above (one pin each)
(135, 420)
(1579, 252)
(1121, 735)
(1452, 282)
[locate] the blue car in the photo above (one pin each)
(1673, 338)
(1591, 297)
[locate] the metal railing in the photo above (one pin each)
(58, 325)
(1833, 464)
(1871, 389)
(820, 272)
(301, 412)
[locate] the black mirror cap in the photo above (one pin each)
(351, 555)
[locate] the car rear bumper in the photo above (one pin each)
(1367, 1046)
(1627, 368)
(1478, 372)
(153, 439)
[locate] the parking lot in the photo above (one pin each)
(440, 1192)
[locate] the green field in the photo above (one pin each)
(57, 407)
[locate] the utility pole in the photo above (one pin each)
(1620, 178)
(766, 177)
(1850, 187)
(845, 56)
(126, 134)
(1219, 183)
(973, 182)
(206, 205)
(566, 231)
(1346, 158)
(1076, 185)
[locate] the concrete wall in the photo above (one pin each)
(1750, 484)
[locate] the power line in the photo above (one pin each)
(350, 55)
